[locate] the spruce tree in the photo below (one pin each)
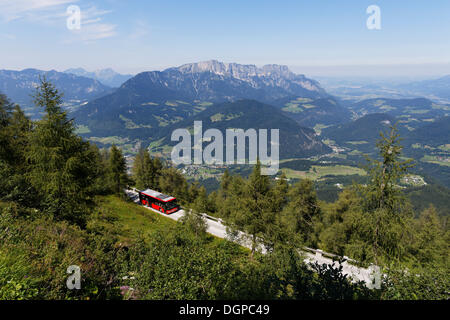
(173, 183)
(143, 170)
(5, 116)
(158, 167)
(100, 169)
(301, 211)
(200, 204)
(225, 184)
(253, 213)
(383, 199)
(14, 130)
(61, 166)
(118, 177)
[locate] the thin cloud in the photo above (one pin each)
(96, 31)
(18, 9)
(92, 26)
(141, 29)
(53, 12)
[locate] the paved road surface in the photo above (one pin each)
(216, 228)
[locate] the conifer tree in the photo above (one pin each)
(194, 190)
(172, 182)
(225, 184)
(201, 204)
(100, 170)
(301, 211)
(253, 213)
(61, 166)
(212, 202)
(430, 241)
(5, 118)
(15, 128)
(383, 199)
(158, 167)
(280, 193)
(118, 177)
(143, 170)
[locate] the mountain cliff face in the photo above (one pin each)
(268, 83)
(154, 99)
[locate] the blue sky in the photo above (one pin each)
(322, 37)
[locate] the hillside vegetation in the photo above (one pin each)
(62, 203)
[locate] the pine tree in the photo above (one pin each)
(172, 182)
(5, 115)
(157, 167)
(225, 184)
(430, 238)
(118, 177)
(253, 213)
(280, 193)
(14, 130)
(212, 202)
(143, 170)
(61, 166)
(194, 190)
(100, 170)
(228, 201)
(201, 204)
(302, 210)
(383, 199)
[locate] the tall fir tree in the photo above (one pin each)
(301, 211)
(383, 199)
(15, 128)
(253, 212)
(143, 170)
(158, 167)
(61, 166)
(201, 204)
(172, 182)
(118, 177)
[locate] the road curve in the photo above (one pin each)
(370, 276)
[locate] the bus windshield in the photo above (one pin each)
(171, 204)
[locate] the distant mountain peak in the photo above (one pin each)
(106, 76)
(239, 71)
(273, 76)
(193, 84)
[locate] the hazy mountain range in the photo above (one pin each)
(433, 89)
(19, 86)
(354, 90)
(108, 76)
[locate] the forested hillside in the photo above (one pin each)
(295, 140)
(62, 203)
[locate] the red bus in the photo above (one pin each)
(158, 201)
